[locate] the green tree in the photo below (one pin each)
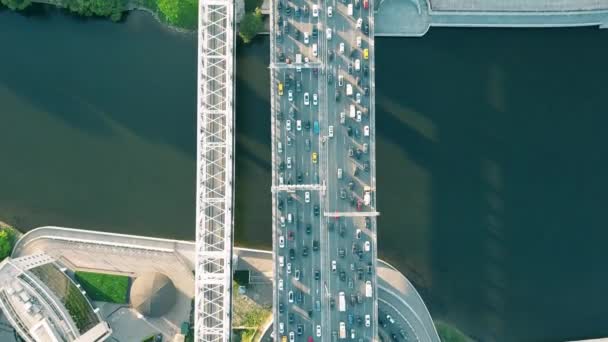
(251, 25)
(16, 4)
(181, 13)
(6, 243)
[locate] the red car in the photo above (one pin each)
(290, 235)
(310, 339)
(359, 205)
(366, 4)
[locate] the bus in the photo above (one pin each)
(341, 302)
(342, 330)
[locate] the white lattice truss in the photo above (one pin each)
(215, 170)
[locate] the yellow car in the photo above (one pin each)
(280, 89)
(365, 53)
(314, 157)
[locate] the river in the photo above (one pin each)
(491, 164)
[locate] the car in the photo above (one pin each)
(299, 123)
(342, 194)
(300, 178)
(315, 32)
(299, 297)
(330, 131)
(316, 210)
(358, 97)
(340, 80)
(281, 307)
(315, 11)
(317, 275)
(350, 319)
(308, 228)
(315, 245)
(341, 252)
(390, 319)
(305, 251)
(281, 241)
(359, 22)
(330, 78)
(366, 53)
(366, 131)
(281, 327)
(292, 254)
(290, 95)
(306, 99)
(367, 246)
(350, 69)
(280, 284)
(352, 334)
(288, 125)
(290, 317)
(307, 197)
(315, 51)
(315, 99)
(342, 117)
(403, 333)
(358, 41)
(288, 268)
(318, 331)
(358, 66)
(328, 33)
(290, 296)
(330, 11)
(297, 274)
(359, 117)
(341, 47)
(340, 173)
(280, 87)
(297, 12)
(307, 127)
(333, 265)
(366, 4)
(314, 157)
(306, 40)
(300, 329)
(338, 97)
(366, 28)
(305, 10)
(281, 261)
(368, 222)
(289, 162)
(358, 233)
(308, 140)
(292, 337)
(369, 267)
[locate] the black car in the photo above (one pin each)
(330, 226)
(300, 329)
(297, 34)
(356, 172)
(366, 166)
(337, 95)
(331, 55)
(342, 230)
(299, 297)
(366, 91)
(369, 267)
(307, 125)
(281, 308)
(288, 10)
(305, 251)
(280, 5)
(368, 222)
(293, 112)
(280, 205)
(298, 86)
(341, 252)
(342, 194)
(282, 166)
(315, 32)
(315, 245)
(332, 302)
(292, 254)
(366, 28)
(365, 69)
(289, 200)
(349, 131)
(360, 274)
(297, 12)
(342, 276)
(308, 228)
(317, 274)
(350, 68)
(330, 78)
(316, 210)
(300, 178)
(290, 317)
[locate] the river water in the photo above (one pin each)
(491, 156)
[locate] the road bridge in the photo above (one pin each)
(215, 171)
(323, 138)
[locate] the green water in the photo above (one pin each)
(491, 163)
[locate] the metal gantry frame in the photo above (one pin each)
(215, 171)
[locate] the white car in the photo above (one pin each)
(315, 99)
(318, 331)
(281, 180)
(291, 337)
(315, 52)
(281, 261)
(339, 173)
(330, 11)
(328, 33)
(290, 95)
(341, 47)
(299, 125)
(367, 246)
(315, 10)
(306, 99)
(358, 97)
(306, 40)
(281, 241)
(280, 284)
(288, 268)
(306, 60)
(368, 321)
(282, 226)
(288, 125)
(297, 274)
(333, 265)
(307, 197)
(340, 80)
(331, 131)
(390, 319)
(352, 334)
(281, 327)
(289, 162)
(366, 131)
(358, 233)
(357, 64)
(280, 147)
(342, 117)
(358, 116)
(359, 41)
(359, 23)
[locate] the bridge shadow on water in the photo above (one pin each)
(491, 167)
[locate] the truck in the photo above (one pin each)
(341, 302)
(342, 330)
(366, 195)
(352, 111)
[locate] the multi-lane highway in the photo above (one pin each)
(324, 227)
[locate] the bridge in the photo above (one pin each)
(323, 170)
(215, 170)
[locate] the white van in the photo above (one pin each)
(289, 218)
(339, 173)
(314, 49)
(352, 111)
(350, 9)
(281, 261)
(349, 90)
(331, 131)
(368, 288)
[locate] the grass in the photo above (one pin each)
(104, 287)
(449, 333)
